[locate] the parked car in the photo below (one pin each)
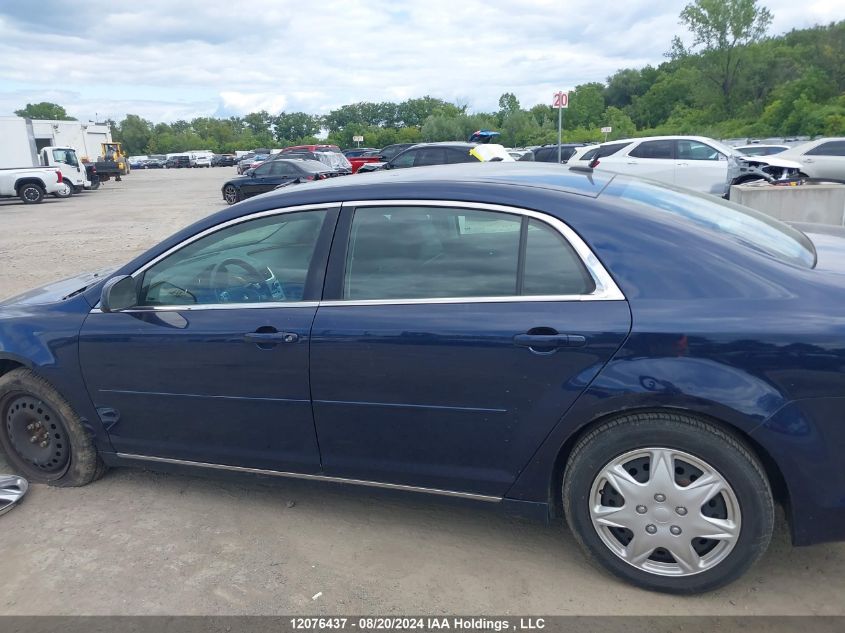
(330, 155)
(549, 153)
(251, 161)
(389, 151)
(178, 162)
(760, 149)
(823, 158)
(223, 160)
(153, 163)
(445, 153)
(661, 365)
(271, 174)
(137, 162)
(695, 162)
(352, 152)
(201, 159)
(30, 184)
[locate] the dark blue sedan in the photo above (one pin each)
(658, 366)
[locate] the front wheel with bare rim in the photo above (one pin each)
(41, 435)
(667, 502)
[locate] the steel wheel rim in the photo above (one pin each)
(36, 434)
(12, 490)
(231, 194)
(662, 517)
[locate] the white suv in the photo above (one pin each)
(822, 158)
(695, 162)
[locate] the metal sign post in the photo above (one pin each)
(606, 130)
(357, 140)
(561, 101)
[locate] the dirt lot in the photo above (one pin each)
(144, 543)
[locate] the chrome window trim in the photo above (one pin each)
(606, 288)
(290, 475)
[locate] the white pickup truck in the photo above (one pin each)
(30, 184)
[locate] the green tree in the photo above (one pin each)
(44, 110)
(722, 30)
(134, 132)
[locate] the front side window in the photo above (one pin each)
(406, 159)
(263, 170)
(430, 156)
(654, 149)
(437, 252)
(257, 261)
(66, 156)
(694, 150)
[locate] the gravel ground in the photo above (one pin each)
(138, 542)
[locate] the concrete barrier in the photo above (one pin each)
(820, 204)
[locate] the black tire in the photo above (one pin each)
(722, 451)
(231, 194)
(27, 399)
(95, 185)
(67, 192)
(31, 193)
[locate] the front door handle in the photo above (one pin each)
(271, 338)
(543, 341)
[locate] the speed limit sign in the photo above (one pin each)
(561, 100)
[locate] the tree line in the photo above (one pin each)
(732, 81)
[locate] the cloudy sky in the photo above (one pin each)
(169, 59)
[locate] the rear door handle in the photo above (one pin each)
(549, 340)
(271, 337)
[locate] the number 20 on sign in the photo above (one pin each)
(561, 100)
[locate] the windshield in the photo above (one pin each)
(741, 224)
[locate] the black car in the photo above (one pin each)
(273, 173)
(222, 160)
(422, 154)
(358, 151)
(390, 151)
(175, 162)
(549, 154)
(152, 163)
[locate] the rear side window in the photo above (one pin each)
(741, 224)
(430, 156)
(654, 149)
(603, 150)
(831, 148)
(435, 252)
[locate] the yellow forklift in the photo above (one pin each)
(112, 162)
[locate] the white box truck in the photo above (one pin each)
(21, 148)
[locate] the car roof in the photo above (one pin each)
(436, 181)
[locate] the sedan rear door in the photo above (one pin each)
(450, 340)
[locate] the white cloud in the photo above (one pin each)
(166, 60)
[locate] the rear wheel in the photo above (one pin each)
(42, 436)
(31, 193)
(65, 190)
(668, 502)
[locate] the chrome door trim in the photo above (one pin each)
(606, 288)
(289, 475)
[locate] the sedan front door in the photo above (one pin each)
(212, 364)
(450, 341)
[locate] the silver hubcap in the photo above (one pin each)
(665, 511)
(12, 488)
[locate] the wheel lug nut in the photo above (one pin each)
(30, 427)
(660, 497)
(641, 509)
(681, 510)
(651, 529)
(33, 440)
(44, 444)
(675, 530)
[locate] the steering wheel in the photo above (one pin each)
(249, 288)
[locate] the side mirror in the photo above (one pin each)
(118, 294)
